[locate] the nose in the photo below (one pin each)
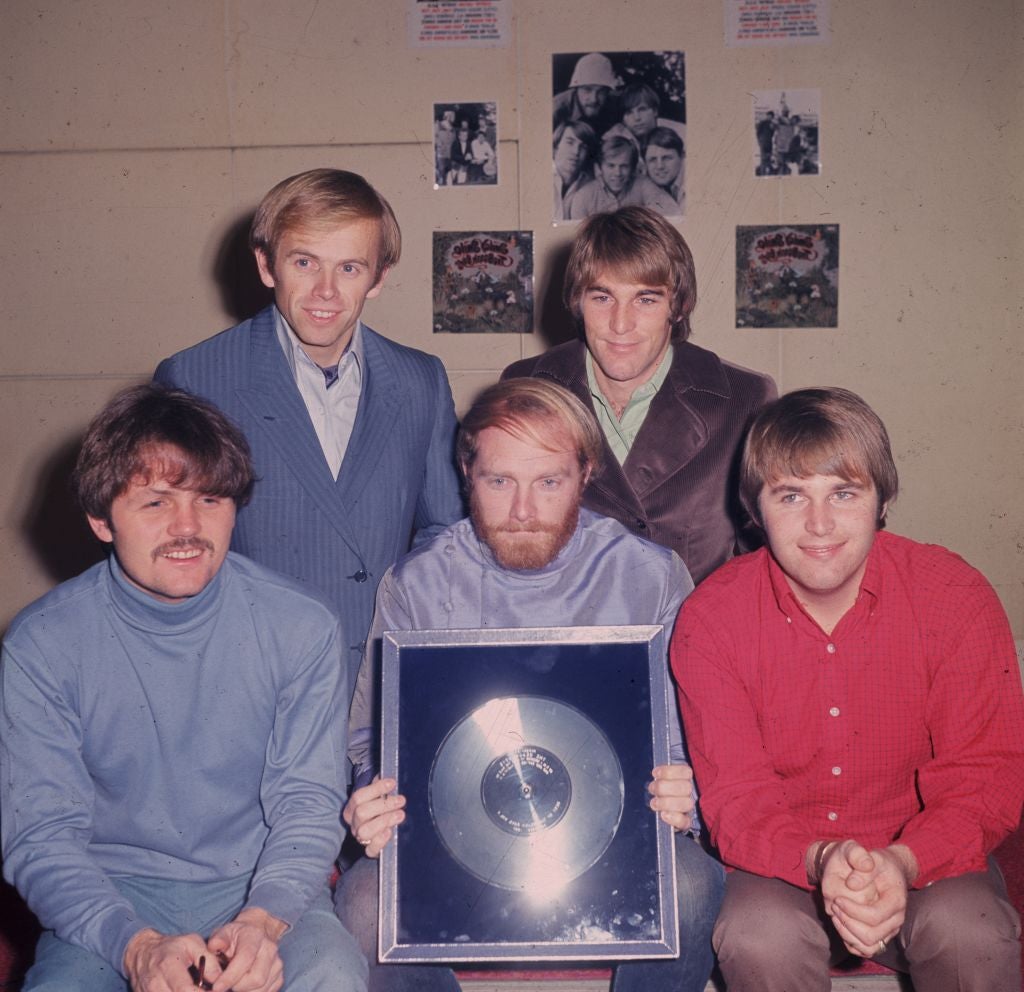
(323, 288)
(621, 320)
(522, 505)
(820, 520)
(185, 521)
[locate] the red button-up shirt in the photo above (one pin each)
(906, 724)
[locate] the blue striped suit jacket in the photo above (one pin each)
(398, 476)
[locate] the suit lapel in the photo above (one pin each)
(275, 406)
(375, 420)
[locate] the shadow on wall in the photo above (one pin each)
(555, 325)
(235, 273)
(55, 526)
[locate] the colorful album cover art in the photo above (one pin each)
(787, 276)
(483, 282)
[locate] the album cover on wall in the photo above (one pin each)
(483, 282)
(787, 275)
(524, 757)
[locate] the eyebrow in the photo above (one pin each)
(843, 484)
(639, 292)
(313, 254)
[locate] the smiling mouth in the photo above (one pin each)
(184, 551)
(323, 314)
(822, 551)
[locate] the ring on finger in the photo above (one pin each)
(881, 945)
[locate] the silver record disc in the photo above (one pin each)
(526, 793)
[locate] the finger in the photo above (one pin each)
(378, 788)
(378, 843)
(373, 830)
(859, 858)
(670, 787)
(677, 820)
(672, 804)
(261, 970)
(370, 811)
(666, 772)
(885, 911)
(853, 940)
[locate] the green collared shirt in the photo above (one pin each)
(621, 433)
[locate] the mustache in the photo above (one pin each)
(528, 528)
(183, 544)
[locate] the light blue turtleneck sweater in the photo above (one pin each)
(196, 741)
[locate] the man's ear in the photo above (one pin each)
(101, 529)
(263, 264)
(375, 290)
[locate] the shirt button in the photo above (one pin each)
(836, 770)
(640, 525)
(833, 816)
(834, 711)
(831, 649)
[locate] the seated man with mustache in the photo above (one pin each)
(172, 734)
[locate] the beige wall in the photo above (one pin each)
(135, 137)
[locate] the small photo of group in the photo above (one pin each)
(618, 132)
(465, 144)
(787, 132)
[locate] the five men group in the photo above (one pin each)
(175, 743)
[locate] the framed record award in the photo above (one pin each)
(524, 756)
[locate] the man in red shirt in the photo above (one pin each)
(853, 707)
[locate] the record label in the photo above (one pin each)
(526, 792)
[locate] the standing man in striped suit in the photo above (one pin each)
(352, 435)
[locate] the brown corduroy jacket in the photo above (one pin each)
(678, 486)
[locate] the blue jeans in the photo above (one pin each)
(318, 955)
(701, 882)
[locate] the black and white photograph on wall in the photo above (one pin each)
(483, 282)
(787, 134)
(618, 132)
(787, 276)
(465, 144)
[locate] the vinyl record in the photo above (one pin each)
(526, 793)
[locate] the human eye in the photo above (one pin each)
(790, 499)
(844, 495)
(550, 483)
(497, 482)
(210, 500)
(304, 264)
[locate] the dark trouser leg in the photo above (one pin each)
(355, 902)
(770, 937)
(960, 935)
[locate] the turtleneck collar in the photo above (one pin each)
(144, 611)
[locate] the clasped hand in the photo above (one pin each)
(865, 894)
(156, 962)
